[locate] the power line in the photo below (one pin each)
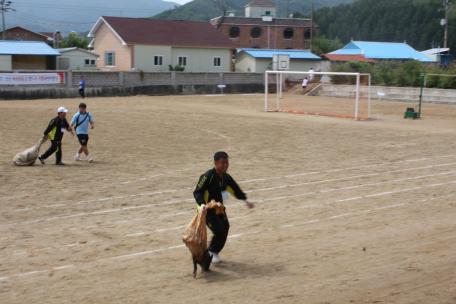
(5, 6)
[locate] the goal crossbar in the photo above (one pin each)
(279, 84)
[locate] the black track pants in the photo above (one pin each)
(56, 146)
(219, 226)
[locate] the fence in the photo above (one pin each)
(132, 83)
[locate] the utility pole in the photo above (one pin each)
(311, 26)
(5, 6)
(445, 23)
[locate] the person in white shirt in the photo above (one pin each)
(305, 83)
(311, 75)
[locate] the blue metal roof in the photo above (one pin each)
(10, 47)
(268, 54)
(382, 50)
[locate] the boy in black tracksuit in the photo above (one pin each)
(54, 132)
(213, 185)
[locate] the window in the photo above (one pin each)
(182, 61)
(217, 62)
(255, 32)
(307, 34)
(93, 63)
(267, 13)
(288, 33)
(234, 32)
(87, 62)
(158, 60)
(110, 59)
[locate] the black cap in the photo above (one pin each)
(219, 155)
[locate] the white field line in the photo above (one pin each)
(235, 236)
(121, 209)
(164, 230)
(347, 178)
(167, 191)
(242, 182)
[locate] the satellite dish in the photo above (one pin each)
(442, 22)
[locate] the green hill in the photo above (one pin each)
(415, 21)
(206, 9)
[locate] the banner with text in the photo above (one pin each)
(31, 78)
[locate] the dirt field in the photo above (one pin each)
(346, 212)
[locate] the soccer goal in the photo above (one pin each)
(343, 95)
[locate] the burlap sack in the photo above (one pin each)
(195, 235)
(29, 156)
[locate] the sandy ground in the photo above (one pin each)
(346, 212)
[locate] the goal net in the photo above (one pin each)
(343, 95)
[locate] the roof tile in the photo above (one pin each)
(168, 32)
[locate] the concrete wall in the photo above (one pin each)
(76, 60)
(102, 83)
(107, 41)
(6, 63)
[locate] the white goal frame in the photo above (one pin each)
(279, 83)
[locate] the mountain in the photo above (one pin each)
(70, 15)
(415, 21)
(206, 9)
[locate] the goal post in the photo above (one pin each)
(337, 94)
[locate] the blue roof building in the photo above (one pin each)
(381, 51)
(260, 60)
(27, 55)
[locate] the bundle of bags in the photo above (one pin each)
(195, 237)
(29, 156)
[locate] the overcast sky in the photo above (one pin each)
(181, 1)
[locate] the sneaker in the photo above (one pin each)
(60, 164)
(41, 160)
(77, 157)
(90, 159)
(215, 257)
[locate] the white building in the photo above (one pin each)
(76, 59)
(260, 8)
(152, 45)
(261, 60)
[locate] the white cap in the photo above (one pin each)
(62, 110)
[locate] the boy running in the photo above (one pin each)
(81, 122)
(54, 132)
(214, 185)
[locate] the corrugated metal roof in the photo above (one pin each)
(8, 47)
(382, 50)
(435, 51)
(294, 54)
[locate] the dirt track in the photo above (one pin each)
(347, 212)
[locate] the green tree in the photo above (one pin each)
(322, 45)
(75, 40)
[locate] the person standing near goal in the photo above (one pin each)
(215, 185)
(80, 123)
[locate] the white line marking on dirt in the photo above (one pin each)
(292, 225)
(106, 211)
(152, 193)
